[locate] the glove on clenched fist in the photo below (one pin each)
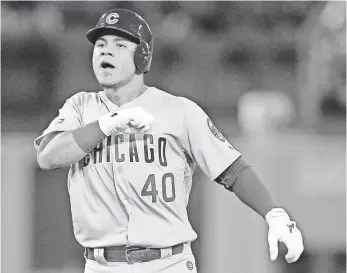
(129, 121)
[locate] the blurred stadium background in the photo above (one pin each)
(272, 76)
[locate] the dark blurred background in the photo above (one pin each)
(272, 76)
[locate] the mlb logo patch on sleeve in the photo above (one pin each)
(215, 131)
(190, 265)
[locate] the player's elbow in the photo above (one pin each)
(45, 162)
(44, 166)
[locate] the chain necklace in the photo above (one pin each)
(144, 89)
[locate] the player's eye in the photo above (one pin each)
(121, 45)
(100, 45)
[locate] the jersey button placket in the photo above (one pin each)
(118, 170)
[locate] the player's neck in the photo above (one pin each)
(123, 94)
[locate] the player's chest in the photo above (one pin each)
(160, 144)
(138, 150)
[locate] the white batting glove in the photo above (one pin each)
(283, 230)
(129, 121)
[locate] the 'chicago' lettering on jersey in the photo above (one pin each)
(130, 148)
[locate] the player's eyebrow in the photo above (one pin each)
(117, 39)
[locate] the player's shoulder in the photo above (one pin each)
(177, 100)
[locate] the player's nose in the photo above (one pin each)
(106, 52)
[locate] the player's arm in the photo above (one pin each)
(240, 178)
(243, 181)
(222, 163)
(60, 149)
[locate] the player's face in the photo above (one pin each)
(113, 60)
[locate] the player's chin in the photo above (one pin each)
(107, 82)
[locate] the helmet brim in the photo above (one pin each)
(95, 33)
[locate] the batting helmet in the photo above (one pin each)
(131, 26)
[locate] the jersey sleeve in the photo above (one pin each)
(68, 118)
(208, 147)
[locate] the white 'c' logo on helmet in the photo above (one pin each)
(112, 18)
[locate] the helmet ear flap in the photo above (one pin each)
(143, 57)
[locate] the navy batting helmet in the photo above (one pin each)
(131, 26)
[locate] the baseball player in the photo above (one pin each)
(132, 150)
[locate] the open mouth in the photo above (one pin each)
(107, 65)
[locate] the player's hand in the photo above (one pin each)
(128, 121)
(283, 230)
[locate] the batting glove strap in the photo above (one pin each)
(276, 216)
(107, 124)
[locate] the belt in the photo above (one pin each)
(133, 254)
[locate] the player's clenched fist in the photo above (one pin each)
(283, 230)
(129, 121)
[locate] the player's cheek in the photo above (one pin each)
(95, 69)
(130, 60)
(94, 61)
(131, 67)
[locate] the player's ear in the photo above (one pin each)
(137, 71)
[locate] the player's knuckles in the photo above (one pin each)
(144, 120)
(135, 122)
(292, 253)
(138, 123)
(296, 257)
(145, 129)
(298, 250)
(289, 259)
(122, 120)
(293, 260)
(292, 257)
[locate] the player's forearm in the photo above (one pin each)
(253, 193)
(242, 180)
(61, 151)
(67, 148)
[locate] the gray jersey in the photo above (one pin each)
(134, 189)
